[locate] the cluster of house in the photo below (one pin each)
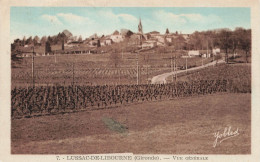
(155, 38)
(143, 40)
(140, 39)
(116, 37)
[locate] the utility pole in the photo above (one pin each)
(33, 82)
(147, 74)
(207, 48)
(55, 56)
(233, 49)
(73, 73)
(212, 55)
(172, 67)
(137, 69)
(119, 76)
(122, 53)
(146, 66)
(186, 66)
(175, 63)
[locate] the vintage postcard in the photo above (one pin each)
(130, 81)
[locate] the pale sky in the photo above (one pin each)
(85, 21)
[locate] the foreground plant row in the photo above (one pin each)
(33, 101)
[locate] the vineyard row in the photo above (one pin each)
(33, 101)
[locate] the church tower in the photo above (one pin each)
(140, 27)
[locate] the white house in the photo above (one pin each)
(108, 41)
(193, 53)
(160, 38)
(169, 39)
(102, 43)
(149, 44)
(204, 55)
(116, 37)
(215, 51)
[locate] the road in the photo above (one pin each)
(161, 79)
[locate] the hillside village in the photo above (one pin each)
(72, 44)
(143, 40)
(198, 44)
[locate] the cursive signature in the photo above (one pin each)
(227, 133)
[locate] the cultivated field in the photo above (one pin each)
(97, 69)
(240, 74)
(182, 126)
(104, 111)
(27, 102)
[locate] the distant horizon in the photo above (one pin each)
(86, 21)
(99, 35)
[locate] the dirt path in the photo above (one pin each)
(160, 79)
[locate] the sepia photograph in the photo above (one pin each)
(141, 80)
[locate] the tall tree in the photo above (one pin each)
(237, 36)
(23, 41)
(43, 40)
(55, 39)
(196, 41)
(50, 40)
(167, 31)
(98, 43)
(62, 38)
(181, 42)
(36, 40)
(29, 40)
(207, 40)
(245, 42)
(47, 47)
(225, 42)
(62, 45)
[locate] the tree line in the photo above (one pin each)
(238, 40)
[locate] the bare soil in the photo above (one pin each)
(180, 126)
